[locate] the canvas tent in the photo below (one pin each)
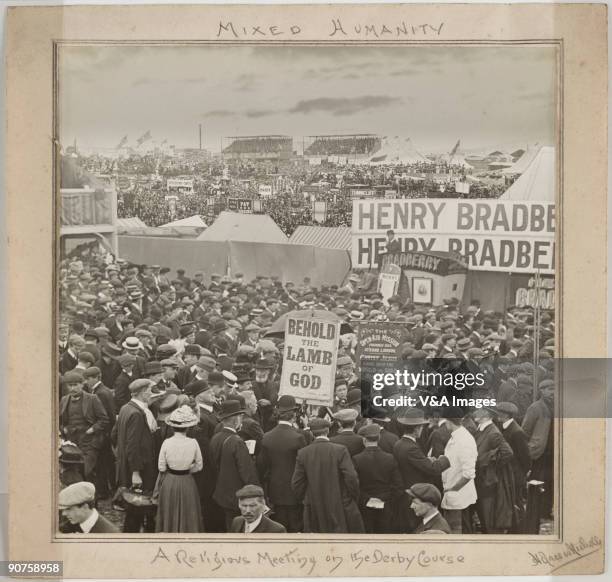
(328, 237)
(194, 221)
(130, 223)
(254, 228)
(397, 150)
(523, 162)
(537, 182)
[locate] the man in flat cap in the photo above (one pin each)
(425, 503)
(77, 504)
(380, 483)
(187, 373)
(346, 436)
(83, 421)
(105, 468)
(136, 463)
(276, 464)
(326, 481)
(252, 507)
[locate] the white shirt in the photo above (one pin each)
(205, 407)
(180, 453)
(461, 452)
(150, 418)
(285, 422)
(430, 517)
(90, 521)
(249, 527)
(484, 425)
(507, 423)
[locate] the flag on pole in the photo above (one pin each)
(146, 136)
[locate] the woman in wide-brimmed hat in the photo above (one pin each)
(179, 501)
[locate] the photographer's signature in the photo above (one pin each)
(571, 552)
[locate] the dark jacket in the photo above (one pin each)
(378, 474)
(414, 465)
(94, 413)
(67, 362)
(135, 447)
(122, 392)
(387, 440)
(235, 468)
(266, 525)
(102, 525)
(276, 463)
(437, 523)
(521, 462)
(107, 398)
(326, 480)
(353, 442)
(184, 376)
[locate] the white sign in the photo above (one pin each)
(309, 360)
(180, 183)
(265, 190)
(491, 235)
(388, 282)
(356, 193)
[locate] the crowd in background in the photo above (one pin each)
(173, 418)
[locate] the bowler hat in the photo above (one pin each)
(353, 397)
(286, 403)
(230, 408)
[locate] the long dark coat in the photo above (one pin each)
(326, 480)
(135, 447)
(276, 463)
(235, 468)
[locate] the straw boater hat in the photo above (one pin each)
(182, 417)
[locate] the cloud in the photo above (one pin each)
(255, 113)
(343, 105)
(219, 113)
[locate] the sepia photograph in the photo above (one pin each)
(230, 217)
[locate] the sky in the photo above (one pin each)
(489, 97)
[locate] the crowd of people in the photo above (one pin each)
(357, 145)
(260, 145)
(171, 409)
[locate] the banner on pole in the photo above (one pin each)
(309, 359)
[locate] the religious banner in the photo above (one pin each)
(319, 211)
(309, 360)
(490, 235)
(388, 281)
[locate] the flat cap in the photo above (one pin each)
(426, 492)
(73, 377)
(318, 423)
(127, 360)
(507, 407)
(546, 384)
(207, 363)
(344, 361)
(86, 357)
(370, 430)
(139, 385)
(249, 491)
(192, 350)
(346, 415)
(91, 372)
(76, 494)
(153, 367)
(167, 362)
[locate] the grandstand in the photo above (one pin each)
(342, 148)
(258, 147)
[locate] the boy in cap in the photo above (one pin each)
(425, 503)
(77, 505)
(252, 508)
(380, 482)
